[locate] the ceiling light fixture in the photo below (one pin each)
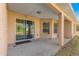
(38, 12)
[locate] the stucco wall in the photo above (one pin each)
(67, 29)
(51, 28)
(12, 16)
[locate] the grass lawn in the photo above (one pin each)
(70, 49)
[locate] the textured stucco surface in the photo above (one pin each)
(3, 29)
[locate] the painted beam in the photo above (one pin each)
(57, 9)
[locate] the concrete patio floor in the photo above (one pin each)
(42, 47)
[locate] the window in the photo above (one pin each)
(46, 27)
(55, 27)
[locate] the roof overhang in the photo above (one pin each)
(54, 6)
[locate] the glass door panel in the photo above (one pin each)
(30, 33)
(20, 29)
(24, 30)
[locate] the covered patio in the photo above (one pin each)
(45, 40)
(42, 47)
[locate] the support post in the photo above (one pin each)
(3, 29)
(61, 29)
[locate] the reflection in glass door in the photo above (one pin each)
(20, 29)
(24, 30)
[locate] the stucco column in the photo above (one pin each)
(72, 29)
(52, 28)
(61, 29)
(75, 28)
(3, 29)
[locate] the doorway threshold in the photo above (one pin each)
(22, 42)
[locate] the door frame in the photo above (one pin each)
(33, 34)
(45, 35)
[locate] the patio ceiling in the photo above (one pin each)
(67, 8)
(40, 10)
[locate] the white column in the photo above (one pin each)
(61, 29)
(3, 29)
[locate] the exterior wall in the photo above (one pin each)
(51, 32)
(12, 16)
(67, 29)
(73, 28)
(38, 26)
(3, 29)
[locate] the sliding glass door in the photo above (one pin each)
(24, 30)
(20, 29)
